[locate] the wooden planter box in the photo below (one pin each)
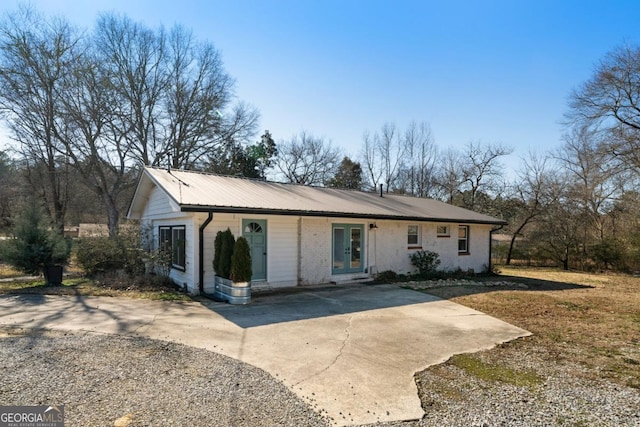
(232, 292)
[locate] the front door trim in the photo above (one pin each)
(255, 231)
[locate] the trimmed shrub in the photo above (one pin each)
(226, 252)
(426, 262)
(241, 270)
(217, 249)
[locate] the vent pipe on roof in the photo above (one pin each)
(380, 190)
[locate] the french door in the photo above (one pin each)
(347, 248)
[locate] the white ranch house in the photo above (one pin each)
(301, 235)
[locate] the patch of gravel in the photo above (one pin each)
(442, 283)
(565, 396)
(142, 382)
(559, 401)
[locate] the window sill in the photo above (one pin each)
(414, 247)
(443, 235)
(463, 253)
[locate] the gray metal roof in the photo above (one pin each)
(200, 192)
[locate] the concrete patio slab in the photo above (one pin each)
(350, 351)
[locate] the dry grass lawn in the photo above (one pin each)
(144, 287)
(587, 323)
(6, 271)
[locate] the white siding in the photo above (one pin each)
(161, 211)
(388, 247)
(282, 247)
(390, 251)
(160, 205)
(282, 251)
(299, 248)
(478, 257)
(315, 249)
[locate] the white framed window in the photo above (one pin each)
(413, 235)
(463, 239)
(443, 231)
(171, 240)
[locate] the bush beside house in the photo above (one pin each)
(427, 262)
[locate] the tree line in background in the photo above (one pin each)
(87, 109)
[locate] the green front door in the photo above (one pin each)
(347, 248)
(255, 231)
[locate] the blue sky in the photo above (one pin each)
(488, 71)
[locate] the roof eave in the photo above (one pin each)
(330, 214)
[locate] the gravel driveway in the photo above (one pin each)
(107, 379)
(142, 382)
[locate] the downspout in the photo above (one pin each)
(493, 230)
(299, 262)
(201, 251)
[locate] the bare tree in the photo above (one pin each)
(482, 172)
(109, 101)
(174, 94)
(198, 94)
(36, 55)
(382, 156)
(592, 174)
(371, 159)
(419, 168)
(392, 151)
(308, 160)
(134, 57)
(471, 177)
(610, 102)
(534, 193)
(559, 231)
(95, 145)
(450, 175)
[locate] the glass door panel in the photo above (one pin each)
(356, 249)
(338, 249)
(347, 248)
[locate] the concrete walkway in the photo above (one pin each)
(351, 352)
